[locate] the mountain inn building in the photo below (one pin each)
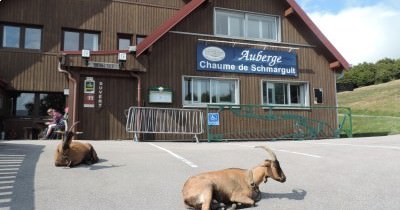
(100, 57)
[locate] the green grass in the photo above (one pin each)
(374, 103)
(375, 126)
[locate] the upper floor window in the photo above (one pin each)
(124, 41)
(246, 25)
(199, 91)
(78, 40)
(282, 93)
(139, 38)
(19, 36)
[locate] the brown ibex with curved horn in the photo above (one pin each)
(231, 186)
(72, 153)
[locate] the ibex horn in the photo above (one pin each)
(269, 150)
(73, 125)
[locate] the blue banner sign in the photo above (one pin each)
(246, 60)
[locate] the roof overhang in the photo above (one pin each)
(300, 12)
(168, 25)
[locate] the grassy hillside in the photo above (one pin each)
(376, 108)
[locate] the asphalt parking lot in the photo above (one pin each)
(359, 173)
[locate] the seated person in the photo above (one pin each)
(57, 121)
(66, 111)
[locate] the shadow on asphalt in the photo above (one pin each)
(17, 173)
(296, 194)
(96, 166)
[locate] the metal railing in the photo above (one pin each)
(259, 122)
(164, 121)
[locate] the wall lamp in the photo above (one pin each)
(86, 56)
(121, 59)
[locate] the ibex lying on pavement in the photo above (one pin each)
(231, 186)
(72, 153)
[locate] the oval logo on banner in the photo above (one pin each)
(214, 54)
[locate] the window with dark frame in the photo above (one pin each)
(198, 91)
(124, 41)
(285, 93)
(34, 104)
(79, 40)
(318, 96)
(20, 36)
(139, 38)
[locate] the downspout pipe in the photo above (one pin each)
(139, 96)
(74, 98)
(139, 88)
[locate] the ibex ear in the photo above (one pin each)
(267, 163)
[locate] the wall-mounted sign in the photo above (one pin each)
(213, 119)
(246, 60)
(100, 95)
(89, 87)
(160, 95)
(102, 65)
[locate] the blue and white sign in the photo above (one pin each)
(213, 118)
(246, 60)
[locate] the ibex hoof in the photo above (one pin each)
(233, 207)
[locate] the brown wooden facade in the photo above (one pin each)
(37, 70)
(172, 56)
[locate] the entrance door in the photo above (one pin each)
(102, 104)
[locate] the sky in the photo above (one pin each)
(361, 30)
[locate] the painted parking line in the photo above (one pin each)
(281, 150)
(176, 156)
(299, 153)
(353, 145)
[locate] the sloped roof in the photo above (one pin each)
(168, 25)
(194, 4)
(318, 33)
